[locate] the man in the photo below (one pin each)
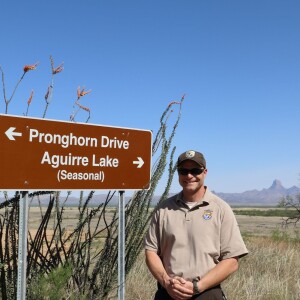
(193, 242)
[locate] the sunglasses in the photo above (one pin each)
(194, 171)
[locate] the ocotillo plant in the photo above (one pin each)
(73, 263)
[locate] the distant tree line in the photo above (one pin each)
(285, 213)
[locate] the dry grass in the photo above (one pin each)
(270, 272)
(69, 221)
(263, 226)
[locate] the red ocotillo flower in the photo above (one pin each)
(83, 107)
(30, 98)
(177, 102)
(57, 69)
(49, 91)
(30, 67)
(81, 93)
(173, 102)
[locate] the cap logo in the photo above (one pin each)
(190, 154)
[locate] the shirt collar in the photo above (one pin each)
(204, 200)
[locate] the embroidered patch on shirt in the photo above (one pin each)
(207, 214)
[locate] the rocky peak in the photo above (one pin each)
(276, 185)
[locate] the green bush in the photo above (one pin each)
(50, 286)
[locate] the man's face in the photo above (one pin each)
(191, 183)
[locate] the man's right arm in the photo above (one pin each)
(156, 267)
(177, 287)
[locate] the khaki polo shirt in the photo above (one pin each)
(192, 241)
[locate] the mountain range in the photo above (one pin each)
(265, 197)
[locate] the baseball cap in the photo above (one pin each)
(192, 155)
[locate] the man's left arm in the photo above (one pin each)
(218, 274)
(214, 277)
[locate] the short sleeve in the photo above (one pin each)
(152, 235)
(232, 244)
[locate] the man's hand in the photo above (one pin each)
(179, 288)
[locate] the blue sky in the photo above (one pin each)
(238, 62)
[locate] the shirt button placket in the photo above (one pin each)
(187, 216)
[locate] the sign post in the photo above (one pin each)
(22, 247)
(55, 155)
(121, 248)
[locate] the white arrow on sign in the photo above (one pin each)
(138, 162)
(11, 134)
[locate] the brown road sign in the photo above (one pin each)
(39, 154)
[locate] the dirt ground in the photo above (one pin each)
(255, 225)
(263, 226)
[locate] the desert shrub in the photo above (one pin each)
(50, 286)
(291, 203)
